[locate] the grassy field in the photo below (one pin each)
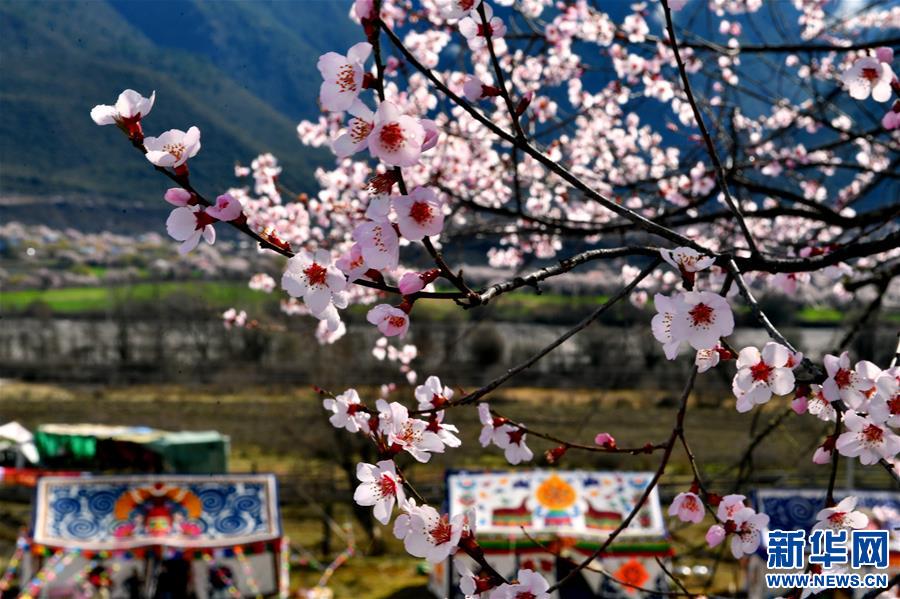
(284, 430)
(219, 295)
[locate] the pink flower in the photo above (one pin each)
(432, 134)
(262, 282)
(342, 77)
(377, 238)
(233, 318)
(187, 224)
(687, 507)
(687, 260)
(748, 534)
(846, 384)
(884, 406)
(173, 148)
(529, 584)
(822, 455)
(885, 54)
(511, 440)
(474, 90)
(703, 318)
(359, 127)
(715, 535)
(315, 279)
(419, 214)
(842, 516)
(868, 75)
(226, 209)
(379, 487)
(177, 196)
(706, 359)
(891, 120)
(457, 9)
(800, 404)
(129, 109)
(429, 534)
(346, 411)
(352, 263)
(410, 283)
(408, 434)
(396, 139)
(391, 321)
(761, 375)
(667, 310)
(473, 29)
(729, 506)
(868, 441)
(488, 424)
(605, 440)
(818, 405)
(433, 394)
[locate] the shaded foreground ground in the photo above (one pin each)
(285, 431)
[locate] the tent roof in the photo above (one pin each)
(559, 502)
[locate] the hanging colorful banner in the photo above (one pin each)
(122, 512)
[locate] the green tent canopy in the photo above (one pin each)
(130, 448)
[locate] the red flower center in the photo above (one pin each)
(466, 4)
(873, 434)
(396, 321)
(842, 378)
(515, 436)
(359, 129)
(690, 503)
(442, 531)
(386, 486)
(346, 79)
(870, 73)
(526, 595)
(701, 315)
(420, 212)
(315, 274)
(837, 517)
(392, 136)
(760, 371)
(203, 219)
(894, 404)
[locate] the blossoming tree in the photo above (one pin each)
(710, 163)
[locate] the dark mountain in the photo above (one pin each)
(241, 71)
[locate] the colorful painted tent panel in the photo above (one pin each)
(571, 503)
(123, 512)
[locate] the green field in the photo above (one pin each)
(220, 295)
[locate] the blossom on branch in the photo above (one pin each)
(391, 321)
(843, 516)
(866, 440)
(760, 375)
(868, 75)
(347, 411)
(126, 113)
(380, 487)
(173, 148)
(316, 280)
(342, 77)
(428, 534)
(396, 138)
(529, 584)
(188, 224)
(419, 214)
(473, 29)
(687, 507)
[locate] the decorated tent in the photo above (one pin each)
(525, 519)
(796, 509)
(133, 448)
(137, 535)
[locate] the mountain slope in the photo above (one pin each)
(61, 58)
